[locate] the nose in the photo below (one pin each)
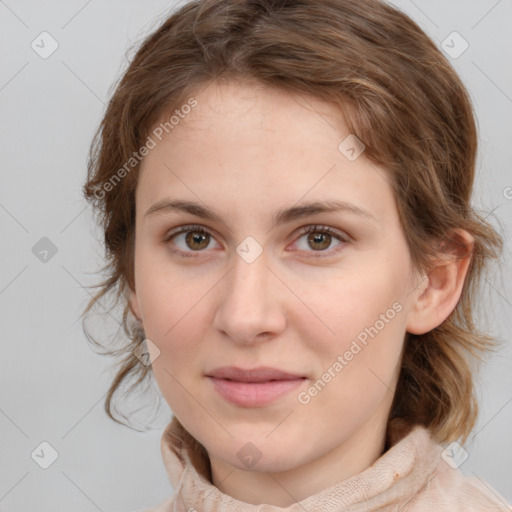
(249, 309)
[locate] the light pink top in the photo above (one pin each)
(411, 476)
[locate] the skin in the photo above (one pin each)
(246, 151)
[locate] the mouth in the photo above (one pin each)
(253, 387)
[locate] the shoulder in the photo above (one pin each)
(449, 489)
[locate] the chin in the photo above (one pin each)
(259, 453)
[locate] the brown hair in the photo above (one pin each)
(398, 94)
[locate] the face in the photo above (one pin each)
(234, 282)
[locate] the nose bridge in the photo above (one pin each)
(248, 306)
(248, 283)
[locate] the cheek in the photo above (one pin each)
(356, 371)
(366, 313)
(175, 322)
(175, 314)
(176, 325)
(355, 302)
(170, 298)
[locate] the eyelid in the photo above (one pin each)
(341, 236)
(186, 228)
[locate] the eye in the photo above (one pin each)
(195, 239)
(319, 238)
(189, 239)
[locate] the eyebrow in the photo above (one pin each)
(282, 216)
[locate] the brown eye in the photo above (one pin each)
(196, 240)
(187, 240)
(319, 241)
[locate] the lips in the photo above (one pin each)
(260, 374)
(253, 387)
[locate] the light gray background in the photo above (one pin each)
(52, 384)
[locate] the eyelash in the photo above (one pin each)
(309, 229)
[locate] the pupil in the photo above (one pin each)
(316, 238)
(196, 238)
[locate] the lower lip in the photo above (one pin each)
(253, 394)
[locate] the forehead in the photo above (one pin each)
(251, 116)
(244, 143)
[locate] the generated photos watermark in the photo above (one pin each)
(357, 345)
(151, 143)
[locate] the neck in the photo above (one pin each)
(353, 455)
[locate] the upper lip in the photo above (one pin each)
(260, 374)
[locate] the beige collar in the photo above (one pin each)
(393, 479)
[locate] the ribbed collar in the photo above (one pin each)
(405, 467)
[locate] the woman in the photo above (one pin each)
(285, 192)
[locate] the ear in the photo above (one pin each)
(133, 304)
(438, 294)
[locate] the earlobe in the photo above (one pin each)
(438, 295)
